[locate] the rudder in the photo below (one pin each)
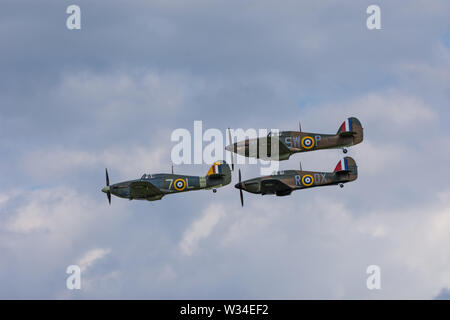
(351, 127)
(347, 165)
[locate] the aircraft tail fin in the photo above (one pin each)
(220, 171)
(351, 127)
(347, 166)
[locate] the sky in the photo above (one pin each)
(73, 102)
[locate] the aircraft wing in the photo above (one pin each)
(143, 189)
(274, 186)
(266, 143)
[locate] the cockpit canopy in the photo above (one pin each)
(146, 176)
(274, 134)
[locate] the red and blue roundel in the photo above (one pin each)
(307, 142)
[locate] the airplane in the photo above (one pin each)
(350, 133)
(282, 183)
(155, 186)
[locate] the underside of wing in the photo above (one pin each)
(275, 186)
(143, 190)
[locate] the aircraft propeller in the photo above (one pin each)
(240, 189)
(106, 189)
(231, 144)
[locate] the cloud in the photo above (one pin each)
(106, 96)
(389, 111)
(110, 95)
(91, 257)
(3, 199)
(91, 278)
(52, 217)
(444, 294)
(44, 211)
(50, 229)
(327, 245)
(127, 161)
(201, 229)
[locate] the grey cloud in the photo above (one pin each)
(444, 294)
(74, 102)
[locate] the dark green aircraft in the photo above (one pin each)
(155, 186)
(289, 142)
(283, 183)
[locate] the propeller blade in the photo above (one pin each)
(108, 193)
(231, 143)
(107, 178)
(240, 190)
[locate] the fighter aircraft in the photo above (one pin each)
(350, 133)
(282, 183)
(155, 186)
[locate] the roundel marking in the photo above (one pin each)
(307, 142)
(307, 180)
(179, 184)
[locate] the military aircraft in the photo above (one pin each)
(282, 183)
(350, 133)
(155, 186)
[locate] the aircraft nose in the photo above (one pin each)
(229, 148)
(238, 185)
(105, 189)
